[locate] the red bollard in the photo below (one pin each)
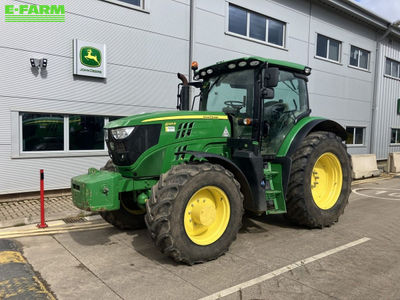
(42, 222)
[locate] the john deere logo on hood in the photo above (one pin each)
(90, 57)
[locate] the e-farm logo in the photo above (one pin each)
(34, 13)
(90, 57)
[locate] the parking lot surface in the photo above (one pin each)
(357, 258)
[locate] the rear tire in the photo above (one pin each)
(195, 212)
(320, 181)
(124, 218)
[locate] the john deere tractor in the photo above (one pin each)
(188, 175)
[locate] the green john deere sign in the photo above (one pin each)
(90, 57)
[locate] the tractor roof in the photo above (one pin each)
(251, 61)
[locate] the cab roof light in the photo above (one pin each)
(195, 65)
(307, 70)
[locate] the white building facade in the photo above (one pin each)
(52, 119)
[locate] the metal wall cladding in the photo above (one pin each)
(145, 50)
(388, 91)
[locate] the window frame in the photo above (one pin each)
(339, 61)
(18, 152)
(143, 7)
(359, 58)
(354, 136)
(396, 137)
(391, 68)
(247, 36)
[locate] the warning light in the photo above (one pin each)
(195, 65)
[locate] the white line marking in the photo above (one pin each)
(380, 192)
(356, 191)
(282, 270)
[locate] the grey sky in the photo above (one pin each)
(388, 9)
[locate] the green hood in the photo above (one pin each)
(161, 117)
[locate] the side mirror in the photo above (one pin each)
(267, 93)
(271, 77)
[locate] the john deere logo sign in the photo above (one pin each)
(34, 13)
(89, 59)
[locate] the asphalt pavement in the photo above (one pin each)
(357, 258)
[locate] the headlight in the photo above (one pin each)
(121, 133)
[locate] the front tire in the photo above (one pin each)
(195, 212)
(320, 181)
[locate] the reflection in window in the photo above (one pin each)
(328, 48)
(256, 26)
(392, 68)
(42, 132)
(355, 135)
(359, 58)
(395, 136)
(86, 133)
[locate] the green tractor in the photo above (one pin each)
(251, 145)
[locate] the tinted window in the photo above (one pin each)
(237, 20)
(364, 58)
(388, 67)
(257, 26)
(86, 133)
(42, 132)
(334, 50)
(354, 56)
(322, 46)
(275, 32)
(133, 2)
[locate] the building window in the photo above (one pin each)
(392, 68)
(256, 26)
(355, 135)
(86, 133)
(128, 3)
(395, 136)
(328, 48)
(58, 132)
(359, 58)
(42, 132)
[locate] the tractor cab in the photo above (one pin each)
(262, 101)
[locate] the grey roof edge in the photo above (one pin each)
(352, 8)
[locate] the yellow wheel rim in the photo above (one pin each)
(326, 180)
(207, 215)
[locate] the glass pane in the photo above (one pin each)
(86, 133)
(290, 100)
(354, 56)
(364, 56)
(275, 32)
(395, 69)
(350, 135)
(388, 67)
(393, 136)
(237, 20)
(42, 132)
(322, 45)
(257, 26)
(334, 47)
(397, 136)
(359, 136)
(133, 2)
